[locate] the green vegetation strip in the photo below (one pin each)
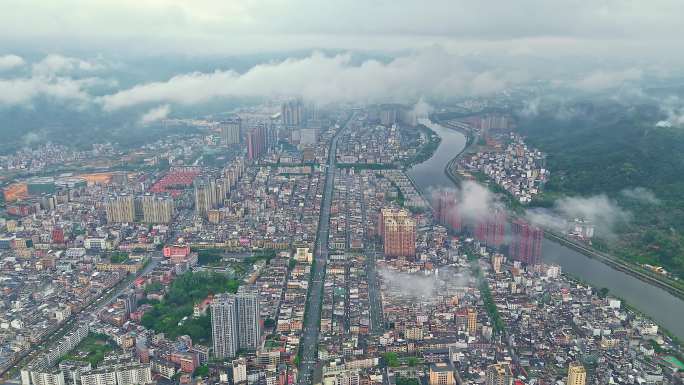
(186, 290)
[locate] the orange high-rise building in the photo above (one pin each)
(398, 231)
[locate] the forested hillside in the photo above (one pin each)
(594, 149)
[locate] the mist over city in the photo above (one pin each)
(342, 192)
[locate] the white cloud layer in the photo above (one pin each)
(54, 64)
(23, 90)
(431, 72)
(55, 76)
(8, 62)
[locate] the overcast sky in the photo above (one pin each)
(633, 28)
(63, 49)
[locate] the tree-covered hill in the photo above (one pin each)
(607, 148)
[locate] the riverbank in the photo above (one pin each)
(663, 307)
(614, 262)
(610, 260)
(427, 150)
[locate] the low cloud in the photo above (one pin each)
(155, 114)
(547, 219)
(53, 65)
(604, 213)
(8, 62)
(530, 108)
(55, 76)
(604, 80)
(641, 194)
(34, 137)
(473, 201)
(23, 90)
(476, 201)
(551, 106)
(673, 107)
(432, 73)
(413, 285)
(419, 286)
(421, 110)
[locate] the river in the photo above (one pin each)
(663, 307)
(430, 174)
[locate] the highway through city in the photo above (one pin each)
(309, 344)
(374, 295)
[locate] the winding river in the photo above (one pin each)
(663, 307)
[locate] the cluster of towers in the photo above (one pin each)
(492, 229)
(210, 192)
(235, 322)
(525, 239)
(292, 113)
(147, 208)
(256, 136)
(526, 242)
(446, 210)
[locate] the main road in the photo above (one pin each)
(308, 348)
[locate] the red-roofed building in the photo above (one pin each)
(175, 252)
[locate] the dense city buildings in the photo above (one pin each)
(506, 160)
(201, 267)
(499, 374)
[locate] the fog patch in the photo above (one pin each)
(155, 114)
(604, 213)
(641, 194)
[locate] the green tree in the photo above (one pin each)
(413, 361)
(201, 371)
(391, 359)
(173, 315)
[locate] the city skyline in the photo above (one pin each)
(294, 192)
